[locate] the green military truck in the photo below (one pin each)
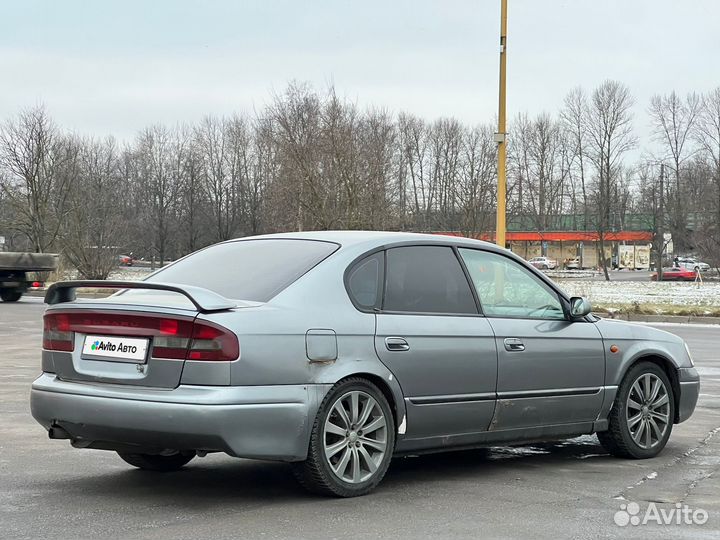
(17, 272)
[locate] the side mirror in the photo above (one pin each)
(579, 307)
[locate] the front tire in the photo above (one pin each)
(351, 442)
(157, 462)
(642, 415)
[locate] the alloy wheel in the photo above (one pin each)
(355, 437)
(648, 410)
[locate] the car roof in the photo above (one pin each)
(372, 239)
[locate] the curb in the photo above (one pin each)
(676, 319)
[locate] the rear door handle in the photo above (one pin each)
(396, 344)
(514, 344)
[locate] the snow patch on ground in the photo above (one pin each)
(131, 273)
(644, 293)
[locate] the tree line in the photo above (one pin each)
(314, 160)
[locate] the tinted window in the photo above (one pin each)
(249, 269)
(507, 289)
(365, 281)
(426, 279)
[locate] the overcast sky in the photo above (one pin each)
(113, 67)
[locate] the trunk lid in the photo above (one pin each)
(117, 344)
(135, 337)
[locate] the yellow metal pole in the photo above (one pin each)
(500, 136)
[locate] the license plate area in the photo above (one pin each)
(115, 349)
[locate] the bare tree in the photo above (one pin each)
(159, 173)
(377, 139)
(31, 154)
(418, 182)
(574, 119)
(192, 200)
(316, 160)
(95, 228)
(608, 121)
(707, 136)
(475, 185)
(673, 121)
(537, 169)
(297, 117)
(264, 170)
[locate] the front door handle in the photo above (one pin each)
(514, 344)
(396, 344)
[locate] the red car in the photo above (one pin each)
(675, 274)
(125, 260)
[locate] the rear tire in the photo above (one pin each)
(351, 442)
(10, 295)
(641, 418)
(157, 462)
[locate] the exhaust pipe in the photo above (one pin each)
(56, 432)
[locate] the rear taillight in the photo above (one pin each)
(175, 338)
(171, 337)
(57, 333)
(195, 341)
(213, 342)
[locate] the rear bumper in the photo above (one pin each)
(689, 380)
(263, 422)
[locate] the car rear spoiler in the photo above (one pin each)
(203, 299)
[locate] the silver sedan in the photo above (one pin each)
(338, 350)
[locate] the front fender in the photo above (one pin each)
(634, 341)
(630, 352)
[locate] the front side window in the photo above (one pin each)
(426, 279)
(506, 289)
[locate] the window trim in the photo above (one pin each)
(429, 313)
(468, 278)
(533, 272)
(564, 299)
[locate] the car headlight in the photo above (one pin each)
(687, 350)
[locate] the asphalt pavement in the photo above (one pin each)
(555, 490)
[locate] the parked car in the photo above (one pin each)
(336, 351)
(125, 260)
(675, 274)
(689, 263)
(573, 264)
(543, 263)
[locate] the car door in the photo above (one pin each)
(551, 370)
(430, 335)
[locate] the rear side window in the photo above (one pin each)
(426, 279)
(253, 270)
(365, 280)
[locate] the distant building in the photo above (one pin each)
(571, 236)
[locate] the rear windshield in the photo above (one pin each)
(253, 270)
